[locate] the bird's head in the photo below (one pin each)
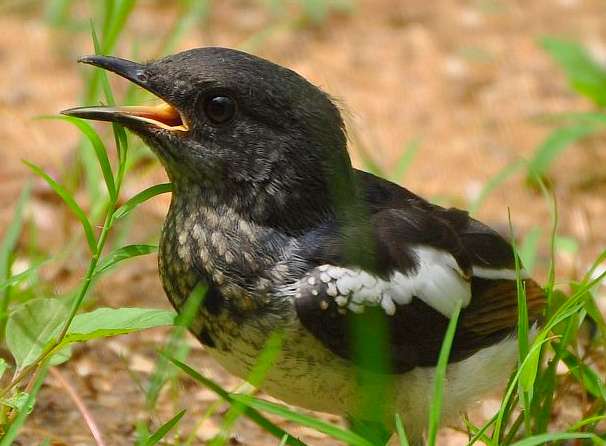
(233, 122)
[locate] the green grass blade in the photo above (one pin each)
(69, 200)
(586, 376)
(493, 183)
(584, 74)
(15, 426)
(402, 438)
(175, 345)
(557, 436)
(98, 147)
(435, 409)
(251, 413)
(529, 248)
(192, 12)
(559, 140)
(109, 96)
(22, 276)
(403, 163)
(157, 436)
(141, 197)
(540, 340)
(119, 133)
(587, 421)
(7, 247)
(57, 12)
(303, 420)
(264, 362)
(123, 253)
(116, 25)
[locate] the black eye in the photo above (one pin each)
(219, 109)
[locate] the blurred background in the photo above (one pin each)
(463, 102)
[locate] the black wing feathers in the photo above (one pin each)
(399, 221)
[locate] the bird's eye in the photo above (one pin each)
(219, 109)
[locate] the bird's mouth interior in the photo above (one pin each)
(163, 115)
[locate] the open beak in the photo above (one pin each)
(164, 115)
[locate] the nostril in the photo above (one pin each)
(141, 76)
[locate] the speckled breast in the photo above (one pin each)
(212, 245)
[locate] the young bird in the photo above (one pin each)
(359, 275)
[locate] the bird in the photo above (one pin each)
(358, 275)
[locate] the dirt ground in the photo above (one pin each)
(466, 79)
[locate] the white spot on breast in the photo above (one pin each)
(341, 301)
(331, 289)
(204, 255)
(325, 278)
(198, 233)
(335, 272)
(182, 237)
(311, 280)
(218, 277)
(356, 308)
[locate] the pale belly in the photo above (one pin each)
(308, 375)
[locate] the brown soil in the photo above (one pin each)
(465, 78)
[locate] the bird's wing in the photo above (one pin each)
(424, 261)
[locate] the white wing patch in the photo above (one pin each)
(438, 281)
(495, 274)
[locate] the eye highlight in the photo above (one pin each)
(219, 109)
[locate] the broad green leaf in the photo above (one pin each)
(31, 327)
(251, 413)
(303, 420)
(141, 197)
(584, 74)
(123, 253)
(157, 436)
(70, 202)
(19, 402)
(105, 322)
